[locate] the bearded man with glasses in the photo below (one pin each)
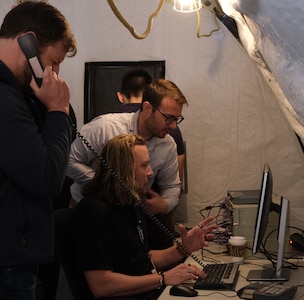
(161, 111)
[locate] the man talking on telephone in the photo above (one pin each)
(36, 136)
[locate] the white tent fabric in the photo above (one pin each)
(271, 32)
(233, 124)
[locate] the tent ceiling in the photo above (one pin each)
(272, 33)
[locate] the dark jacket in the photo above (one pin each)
(34, 154)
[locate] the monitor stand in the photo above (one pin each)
(268, 275)
(279, 274)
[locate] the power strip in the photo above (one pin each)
(297, 241)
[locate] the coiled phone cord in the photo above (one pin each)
(136, 201)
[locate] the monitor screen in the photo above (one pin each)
(264, 209)
(277, 272)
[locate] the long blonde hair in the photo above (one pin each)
(114, 180)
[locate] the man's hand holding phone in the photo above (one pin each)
(54, 92)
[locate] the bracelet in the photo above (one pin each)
(162, 279)
(181, 251)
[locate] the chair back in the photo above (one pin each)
(65, 253)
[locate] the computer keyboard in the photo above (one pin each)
(219, 276)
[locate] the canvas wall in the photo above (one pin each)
(232, 125)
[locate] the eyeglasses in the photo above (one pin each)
(170, 119)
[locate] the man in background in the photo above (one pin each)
(132, 88)
(130, 95)
(36, 134)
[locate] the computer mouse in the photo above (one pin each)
(182, 290)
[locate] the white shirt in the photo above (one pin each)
(162, 151)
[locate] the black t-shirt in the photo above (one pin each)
(110, 238)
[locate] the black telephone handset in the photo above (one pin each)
(28, 45)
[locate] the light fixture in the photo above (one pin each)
(187, 5)
(179, 5)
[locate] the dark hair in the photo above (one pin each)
(160, 88)
(134, 82)
(118, 152)
(44, 20)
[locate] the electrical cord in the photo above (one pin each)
(210, 207)
(272, 257)
(216, 253)
(159, 8)
(130, 27)
(222, 233)
(222, 294)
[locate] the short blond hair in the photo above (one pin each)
(160, 88)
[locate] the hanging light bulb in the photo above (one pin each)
(187, 5)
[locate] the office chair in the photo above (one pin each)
(65, 254)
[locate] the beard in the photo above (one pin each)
(143, 195)
(151, 127)
(24, 76)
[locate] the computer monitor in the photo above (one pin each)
(264, 208)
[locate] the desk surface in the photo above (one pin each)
(296, 276)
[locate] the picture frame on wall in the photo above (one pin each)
(102, 82)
